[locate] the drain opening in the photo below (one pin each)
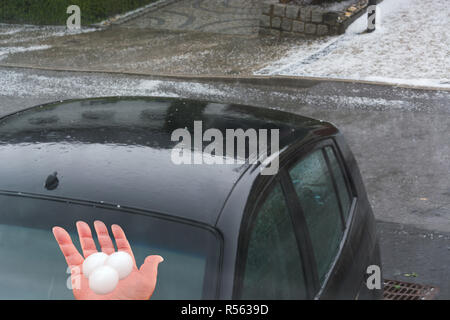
(399, 290)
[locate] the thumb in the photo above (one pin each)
(149, 268)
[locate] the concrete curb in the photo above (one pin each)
(292, 82)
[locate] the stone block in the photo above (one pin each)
(264, 21)
(279, 10)
(305, 14)
(331, 18)
(298, 26)
(276, 22)
(292, 12)
(310, 28)
(267, 9)
(316, 15)
(334, 30)
(286, 24)
(322, 29)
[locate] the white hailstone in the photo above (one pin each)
(121, 262)
(103, 280)
(93, 262)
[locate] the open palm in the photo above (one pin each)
(139, 285)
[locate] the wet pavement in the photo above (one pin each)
(218, 16)
(129, 49)
(416, 256)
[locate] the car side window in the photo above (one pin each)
(273, 266)
(314, 187)
(342, 189)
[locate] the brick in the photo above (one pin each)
(286, 24)
(316, 16)
(322, 29)
(298, 26)
(305, 14)
(292, 12)
(310, 28)
(276, 22)
(279, 10)
(264, 21)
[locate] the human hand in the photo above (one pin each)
(140, 283)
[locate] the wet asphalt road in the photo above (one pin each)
(400, 137)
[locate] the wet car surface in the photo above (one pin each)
(112, 161)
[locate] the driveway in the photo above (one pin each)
(219, 16)
(133, 49)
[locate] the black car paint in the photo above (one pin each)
(224, 208)
(94, 123)
(359, 248)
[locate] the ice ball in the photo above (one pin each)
(121, 262)
(92, 262)
(103, 280)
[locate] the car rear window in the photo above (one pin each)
(32, 266)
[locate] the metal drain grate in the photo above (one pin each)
(398, 290)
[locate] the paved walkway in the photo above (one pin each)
(133, 49)
(218, 16)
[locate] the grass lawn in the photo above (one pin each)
(53, 12)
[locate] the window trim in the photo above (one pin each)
(347, 176)
(352, 211)
(335, 187)
(302, 234)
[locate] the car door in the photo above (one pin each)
(271, 264)
(313, 194)
(324, 200)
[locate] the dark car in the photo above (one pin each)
(226, 231)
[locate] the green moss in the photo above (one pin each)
(53, 12)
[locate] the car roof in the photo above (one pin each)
(117, 150)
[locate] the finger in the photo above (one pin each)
(86, 241)
(103, 237)
(150, 271)
(71, 254)
(121, 241)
